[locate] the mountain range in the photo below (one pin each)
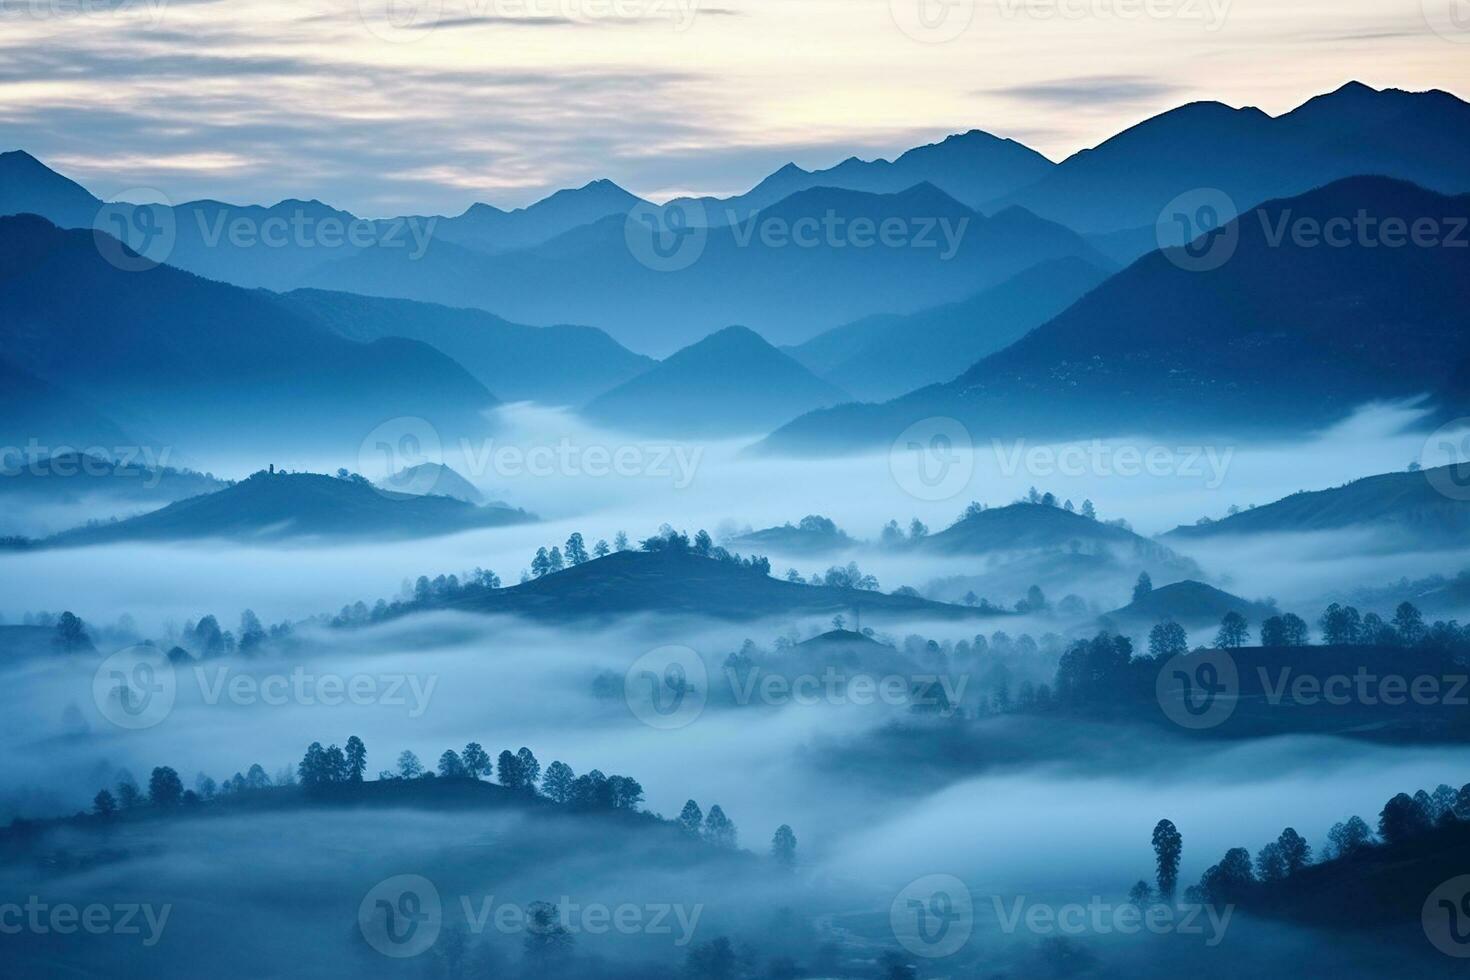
(882, 357)
(1282, 332)
(174, 356)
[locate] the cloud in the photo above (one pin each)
(1090, 90)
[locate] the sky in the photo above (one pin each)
(426, 106)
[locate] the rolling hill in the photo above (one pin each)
(177, 358)
(1410, 510)
(669, 582)
(730, 383)
(1286, 334)
(1188, 603)
(1026, 527)
(274, 507)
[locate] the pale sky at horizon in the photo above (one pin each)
(449, 102)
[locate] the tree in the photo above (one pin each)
(1168, 846)
(624, 792)
(1408, 622)
(1340, 625)
(205, 787)
(783, 847)
(508, 770)
(691, 819)
(1233, 632)
(1140, 894)
(1270, 864)
(71, 634)
(541, 564)
(620, 541)
(128, 794)
(476, 761)
(576, 550)
(557, 784)
(547, 943)
(703, 543)
(1402, 819)
(356, 759)
(334, 765)
(1345, 839)
(1224, 882)
(529, 768)
(554, 561)
(1088, 511)
(409, 766)
(256, 778)
(450, 765)
(1167, 639)
(104, 805)
(311, 770)
(1295, 850)
(164, 787)
(600, 549)
(719, 829)
(1142, 587)
(918, 529)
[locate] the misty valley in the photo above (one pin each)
(965, 564)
